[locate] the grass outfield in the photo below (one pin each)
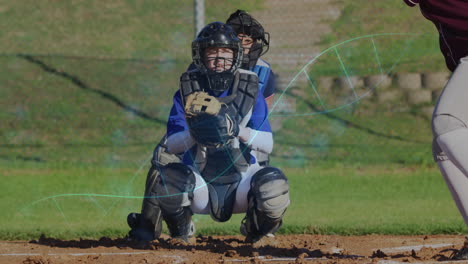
(361, 169)
(401, 35)
(78, 130)
(389, 199)
(107, 28)
(361, 172)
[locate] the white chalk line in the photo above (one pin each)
(415, 248)
(385, 250)
(77, 254)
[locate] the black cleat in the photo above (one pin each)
(141, 231)
(141, 234)
(254, 237)
(462, 254)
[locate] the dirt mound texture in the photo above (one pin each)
(232, 249)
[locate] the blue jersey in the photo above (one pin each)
(266, 78)
(177, 123)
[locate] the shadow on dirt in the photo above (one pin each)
(229, 247)
(232, 247)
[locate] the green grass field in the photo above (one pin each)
(351, 173)
(84, 99)
(73, 202)
(400, 35)
(116, 29)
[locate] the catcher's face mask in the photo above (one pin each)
(216, 40)
(247, 42)
(255, 41)
(218, 59)
(217, 53)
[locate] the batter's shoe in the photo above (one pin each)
(462, 254)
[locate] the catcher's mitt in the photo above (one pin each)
(210, 121)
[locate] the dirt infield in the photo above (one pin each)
(232, 249)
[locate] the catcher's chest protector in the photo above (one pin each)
(223, 166)
(243, 92)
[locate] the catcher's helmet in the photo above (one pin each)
(217, 35)
(243, 23)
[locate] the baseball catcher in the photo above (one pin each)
(218, 119)
(147, 224)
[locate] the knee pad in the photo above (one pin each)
(444, 123)
(175, 189)
(270, 190)
(268, 199)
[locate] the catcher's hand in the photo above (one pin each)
(210, 121)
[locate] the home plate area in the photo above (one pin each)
(383, 249)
